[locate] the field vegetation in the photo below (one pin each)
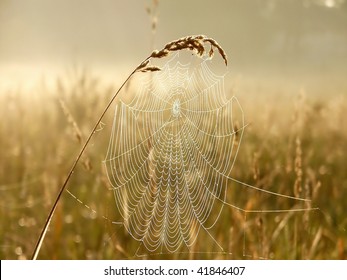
(295, 143)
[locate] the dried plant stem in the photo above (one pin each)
(50, 215)
(194, 43)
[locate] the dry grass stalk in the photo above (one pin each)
(298, 168)
(315, 243)
(76, 130)
(195, 43)
(153, 13)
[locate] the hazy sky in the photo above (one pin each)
(40, 38)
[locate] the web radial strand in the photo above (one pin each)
(171, 150)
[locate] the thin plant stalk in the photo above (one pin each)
(50, 215)
(194, 43)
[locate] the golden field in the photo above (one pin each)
(295, 142)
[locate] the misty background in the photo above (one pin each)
(61, 61)
(285, 40)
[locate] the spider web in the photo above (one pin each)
(171, 153)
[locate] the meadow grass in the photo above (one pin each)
(293, 141)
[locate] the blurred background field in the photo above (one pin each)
(60, 63)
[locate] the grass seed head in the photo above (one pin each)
(194, 43)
